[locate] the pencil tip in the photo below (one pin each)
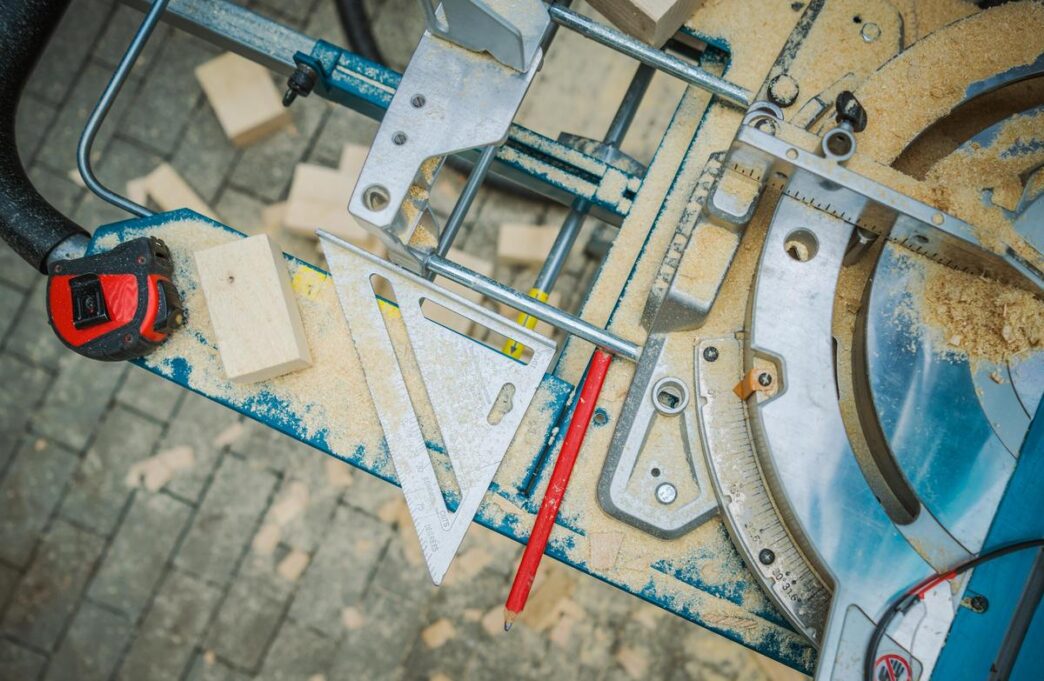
(509, 618)
(507, 626)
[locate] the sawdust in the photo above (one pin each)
(229, 436)
(327, 401)
(934, 81)
(634, 660)
(291, 503)
(266, 539)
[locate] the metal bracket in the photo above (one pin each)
(510, 30)
(473, 396)
(449, 100)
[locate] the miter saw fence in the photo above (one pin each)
(787, 379)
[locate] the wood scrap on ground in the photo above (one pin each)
(651, 21)
(525, 245)
(244, 98)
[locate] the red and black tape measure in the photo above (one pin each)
(116, 305)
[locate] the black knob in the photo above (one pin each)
(300, 82)
(850, 111)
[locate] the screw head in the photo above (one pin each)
(399, 138)
(710, 353)
(766, 556)
(765, 379)
(666, 493)
(979, 603)
(418, 101)
(783, 90)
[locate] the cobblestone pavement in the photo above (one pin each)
(263, 559)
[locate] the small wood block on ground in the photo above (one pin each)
(244, 98)
(169, 191)
(526, 245)
(252, 309)
(651, 21)
(318, 199)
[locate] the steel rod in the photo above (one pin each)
(533, 307)
(466, 198)
(632, 47)
(101, 109)
(570, 229)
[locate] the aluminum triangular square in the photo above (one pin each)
(463, 380)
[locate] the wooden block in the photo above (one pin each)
(319, 199)
(526, 245)
(169, 191)
(138, 190)
(273, 218)
(651, 21)
(252, 309)
(353, 156)
(244, 98)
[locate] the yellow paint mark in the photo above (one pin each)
(308, 282)
(513, 348)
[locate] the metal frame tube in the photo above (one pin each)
(632, 47)
(531, 306)
(101, 109)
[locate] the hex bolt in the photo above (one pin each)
(666, 493)
(766, 556)
(765, 379)
(710, 353)
(301, 82)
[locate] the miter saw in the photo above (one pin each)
(773, 288)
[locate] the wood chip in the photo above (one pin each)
(635, 661)
(338, 473)
(436, 635)
(293, 565)
(526, 245)
(229, 435)
(352, 618)
(169, 191)
(266, 539)
(292, 502)
(156, 471)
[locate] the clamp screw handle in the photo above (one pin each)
(850, 111)
(300, 82)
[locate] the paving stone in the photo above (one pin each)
(324, 23)
(31, 336)
(8, 579)
(92, 213)
(18, 663)
(77, 400)
(292, 13)
(32, 121)
(342, 126)
(369, 493)
(16, 272)
(204, 669)
(138, 555)
(124, 160)
(59, 191)
(341, 569)
(266, 447)
(169, 635)
(245, 625)
(68, 49)
(24, 386)
(11, 300)
(265, 169)
(377, 649)
(204, 155)
(99, 490)
(166, 100)
(119, 30)
(298, 652)
(92, 647)
(29, 494)
(196, 424)
(58, 151)
(240, 210)
(149, 393)
(49, 591)
(226, 520)
(399, 23)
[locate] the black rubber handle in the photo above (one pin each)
(28, 223)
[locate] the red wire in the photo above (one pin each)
(556, 488)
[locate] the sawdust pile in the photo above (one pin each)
(980, 318)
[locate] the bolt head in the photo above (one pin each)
(710, 353)
(766, 556)
(765, 379)
(979, 603)
(666, 493)
(783, 90)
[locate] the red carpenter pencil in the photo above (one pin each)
(545, 519)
